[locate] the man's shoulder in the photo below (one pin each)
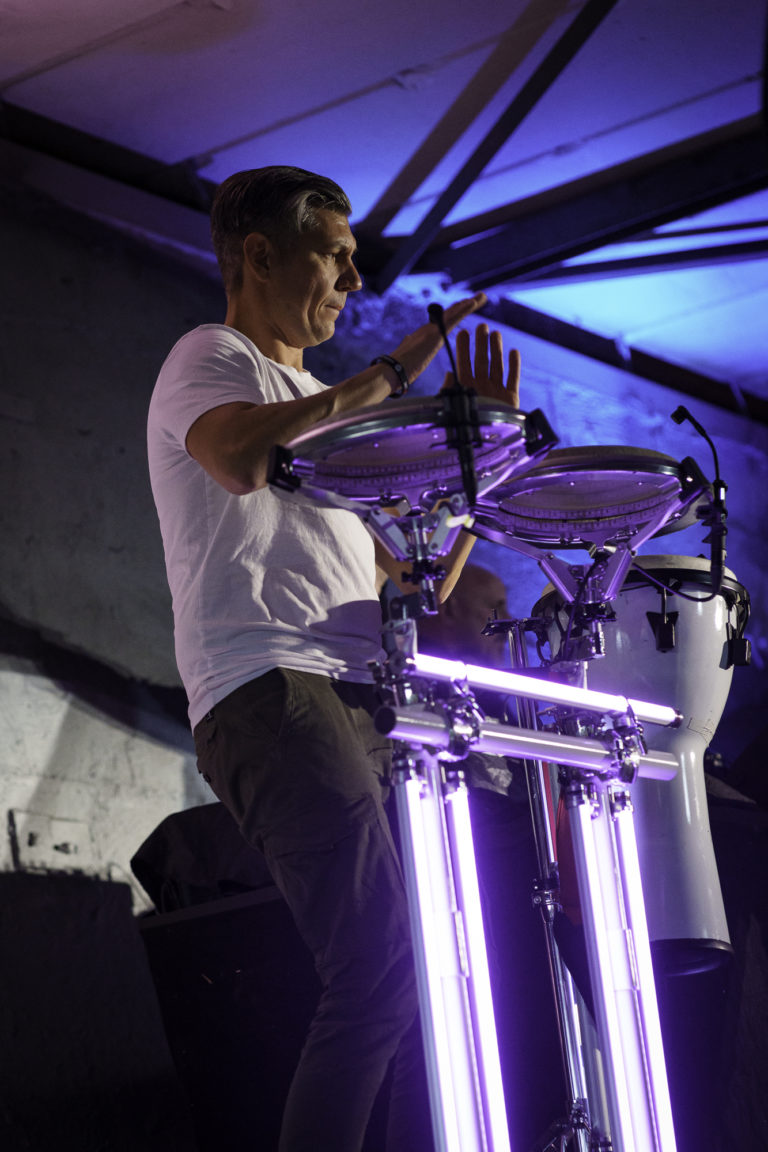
(213, 339)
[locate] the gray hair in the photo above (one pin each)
(281, 202)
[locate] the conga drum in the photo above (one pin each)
(673, 643)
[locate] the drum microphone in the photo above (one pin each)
(461, 413)
(715, 518)
(437, 317)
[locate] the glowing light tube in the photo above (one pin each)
(625, 1004)
(416, 725)
(464, 1083)
(656, 1070)
(479, 986)
(518, 684)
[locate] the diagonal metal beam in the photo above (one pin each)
(676, 260)
(603, 349)
(590, 17)
(177, 182)
(614, 205)
(511, 49)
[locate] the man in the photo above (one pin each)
(276, 618)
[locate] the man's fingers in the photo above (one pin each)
(459, 311)
(497, 357)
(514, 378)
(481, 352)
(464, 357)
(482, 368)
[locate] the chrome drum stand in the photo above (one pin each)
(444, 458)
(597, 772)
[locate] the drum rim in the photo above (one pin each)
(730, 585)
(624, 457)
(686, 575)
(336, 454)
(576, 527)
(376, 419)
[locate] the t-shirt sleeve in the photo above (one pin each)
(203, 371)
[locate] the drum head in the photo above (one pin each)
(402, 449)
(593, 495)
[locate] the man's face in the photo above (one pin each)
(481, 596)
(309, 282)
(456, 631)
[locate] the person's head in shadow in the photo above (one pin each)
(456, 630)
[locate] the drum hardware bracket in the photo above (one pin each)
(593, 584)
(280, 469)
(545, 891)
(539, 436)
(621, 734)
(421, 538)
(589, 646)
(558, 1136)
(460, 714)
(739, 652)
(405, 537)
(628, 747)
(663, 628)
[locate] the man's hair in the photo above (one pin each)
(280, 202)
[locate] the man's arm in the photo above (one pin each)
(484, 373)
(233, 441)
(453, 564)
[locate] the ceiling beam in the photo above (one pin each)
(556, 60)
(613, 205)
(708, 389)
(676, 260)
(179, 183)
(509, 53)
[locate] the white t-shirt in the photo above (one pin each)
(257, 581)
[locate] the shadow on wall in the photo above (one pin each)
(157, 712)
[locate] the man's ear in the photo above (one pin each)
(257, 254)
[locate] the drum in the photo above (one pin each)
(675, 648)
(406, 449)
(578, 497)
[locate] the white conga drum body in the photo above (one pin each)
(674, 649)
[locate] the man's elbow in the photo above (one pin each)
(238, 480)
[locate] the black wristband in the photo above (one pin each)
(399, 371)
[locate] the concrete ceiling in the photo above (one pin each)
(600, 168)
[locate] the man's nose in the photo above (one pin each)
(350, 279)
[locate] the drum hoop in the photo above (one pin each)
(612, 457)
(340, 454)
(550, 477)
(732, 591)
(702, 576)
(376, 420)
(517, 506)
